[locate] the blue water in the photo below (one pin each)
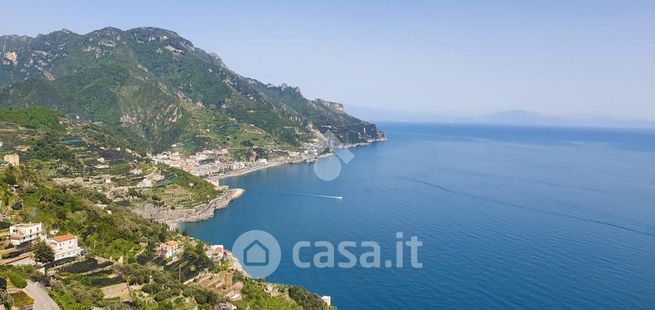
(510, 217)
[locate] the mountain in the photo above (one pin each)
(510, 118)
(76, 178)
(155, 88)
(394, 115)
(515, 117)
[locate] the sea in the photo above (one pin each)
(508, 217)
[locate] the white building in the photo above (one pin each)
(65, 246)
(145, 183)
(12, 159)
(215, 252)
(238, 165)
(327, 300)
(136, 171)
(26, 233)
(169, 249)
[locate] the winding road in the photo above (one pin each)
(42, 300)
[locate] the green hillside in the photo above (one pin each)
(155, 88)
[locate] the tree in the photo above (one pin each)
(17, 279)
(10, 175)
(44, 254)
(6, 300)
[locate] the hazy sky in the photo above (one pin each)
(594, 58)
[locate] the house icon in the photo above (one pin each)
(256, 254)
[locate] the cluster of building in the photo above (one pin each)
(169, 249)
(63, 246)
(172, 249)
(216, 252)
(211, 163)
(310, 151)
(202, 164)
(207, 163)
(149, 180)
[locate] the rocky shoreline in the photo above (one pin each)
(173, 217)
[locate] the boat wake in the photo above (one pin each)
(314, 195)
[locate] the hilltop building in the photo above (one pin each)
(65, 246)
(215, 252)
(169, 249)
(20, 234)
(327, 300)
(12, 159)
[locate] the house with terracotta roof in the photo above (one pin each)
(215, 252)
(65, 246)
(169, 249)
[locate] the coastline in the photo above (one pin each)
(245, 171)
(173, 218)
(208, 211)
(248, 170)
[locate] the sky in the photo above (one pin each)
(573, 58)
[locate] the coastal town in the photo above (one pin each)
(94, 194)
(156, 186)
(211, 164)
(22, 243)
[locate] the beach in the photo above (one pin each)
(244, 171)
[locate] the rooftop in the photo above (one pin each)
(65, 237)
(171, 243)
(25, 225)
